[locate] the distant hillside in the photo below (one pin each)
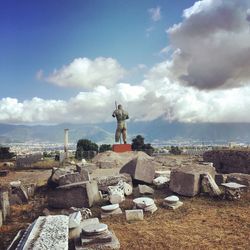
(158, 130)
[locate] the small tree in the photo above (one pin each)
(139, 145)
(175, 150)
(84, 145)
(105, 147)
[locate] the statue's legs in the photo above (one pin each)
(124, 135)
(117, 134)
(121, 129)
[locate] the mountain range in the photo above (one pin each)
(157, 131)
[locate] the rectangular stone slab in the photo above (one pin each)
(47, 232)
(81, 194)
(134, 214)
(186, 180)
(140, 169)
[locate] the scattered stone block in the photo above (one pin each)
(140, 169)
(21, 193)
(57, 173)
(209, 186)
(105, 181)
(134, 215)
(109, 210)
(172, 202)
(186, 180)
(81, 194)
(243, 179)
(144, 189)
(27, 161)
(74, 233)
(128, 189)
(83, 172)
(15, 184)
(70, 178)
(232, 190)
(220, 178)
(4, 204)
(75, 219)
(145, 203)
(4, 172)
(160, 181)
(163, 173)
(50, 232)
(31, 190)
(97, 236)
(8, 164)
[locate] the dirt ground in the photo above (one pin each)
(201, 223)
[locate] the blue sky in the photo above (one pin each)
(67, 61)
(47, 34)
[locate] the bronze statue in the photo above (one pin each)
(121, 117)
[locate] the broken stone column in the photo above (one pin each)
(4, 204)
(105, 181)
(145, 203)
(66, 141)
(81, 194)
(172, 202)
(50, 232)
(74, 233)
(209, 185)
(110, 210)
(116, 193)
(97, 236)
(186, 180)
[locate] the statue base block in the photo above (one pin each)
(120, 148)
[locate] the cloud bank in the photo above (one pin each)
(212, 44)
(87, 74)
(206, 79)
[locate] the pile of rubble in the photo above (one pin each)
(73, 189)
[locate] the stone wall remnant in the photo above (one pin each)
(229, 161)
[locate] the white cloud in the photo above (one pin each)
(211, 51)
(155, 13)
(213, 42)
(87, 74)
(155, 97)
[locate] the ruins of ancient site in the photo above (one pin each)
(124, 124)
(126, 200)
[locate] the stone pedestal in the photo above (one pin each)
(120, 148)
(97, 236)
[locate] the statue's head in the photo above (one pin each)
(119, 106)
